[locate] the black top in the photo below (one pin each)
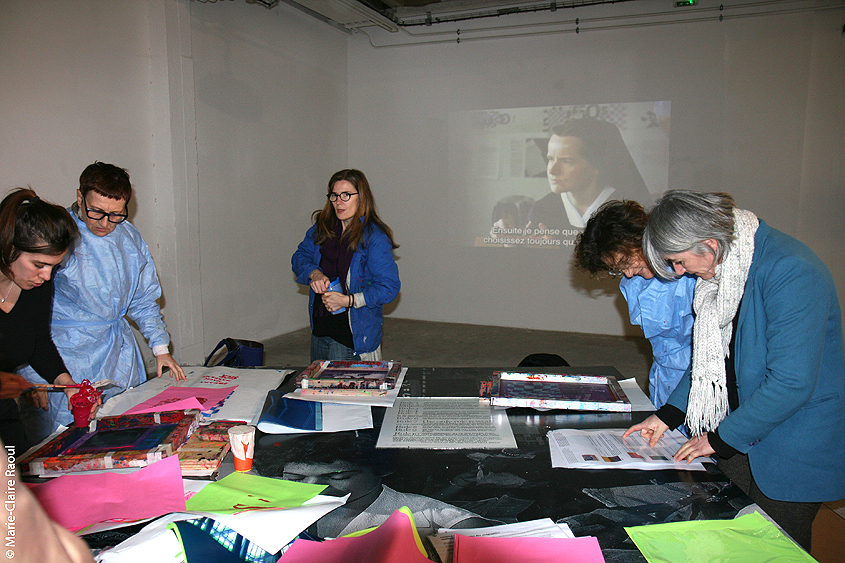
(25, 335)
(335, 259)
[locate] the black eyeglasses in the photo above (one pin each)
(344, 196)
(98, 214)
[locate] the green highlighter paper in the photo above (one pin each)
(747, 539)
(241, 492)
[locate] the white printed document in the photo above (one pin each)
(443, 424)
(606, 449)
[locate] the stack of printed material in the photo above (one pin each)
(204, 451)
(350, 378)
(113, 442)
(350, 383)
(555, 391)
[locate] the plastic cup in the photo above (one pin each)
(242, 442)
(80, 415)
(334, 285)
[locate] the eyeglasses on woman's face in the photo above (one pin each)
(344, 196)
(97, 215)
(619, 268)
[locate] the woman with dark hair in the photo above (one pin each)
(766, 390)
(611, 243)
(34, 238)
(350, 243)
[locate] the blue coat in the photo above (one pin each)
(664, 310)
(790, 374)
(372, 272)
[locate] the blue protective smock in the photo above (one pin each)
(104, 280)
(373, 273)
(664, 310)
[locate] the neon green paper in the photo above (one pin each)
(747, 539)
(241, 492)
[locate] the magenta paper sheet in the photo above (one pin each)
(78, 501)
(470, 549)
(208, 398)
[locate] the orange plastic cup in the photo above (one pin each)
(242, 442)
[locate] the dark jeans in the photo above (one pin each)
(326, 348)
(796, 518)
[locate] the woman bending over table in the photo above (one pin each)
(34, 238)
(766, 391)
(611, 243)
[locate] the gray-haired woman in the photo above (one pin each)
(766, 389)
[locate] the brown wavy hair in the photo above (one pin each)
(365, 214)
(615, 228)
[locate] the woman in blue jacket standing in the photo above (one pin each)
(766, 391)
(351, 244)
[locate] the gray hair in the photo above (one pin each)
(680, 222)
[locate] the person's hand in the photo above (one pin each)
(695, 447)
(166, 361)
(650, 429)
(319, 282)
(66, 379)
(12, 385)
(334, 301)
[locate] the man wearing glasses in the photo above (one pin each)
(108, 277)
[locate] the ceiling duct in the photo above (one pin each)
(349, 14)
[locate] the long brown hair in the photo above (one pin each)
(365, 214)
(29, 224)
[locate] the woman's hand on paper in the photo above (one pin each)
(167, 361)
(650, 429)
(695, 447)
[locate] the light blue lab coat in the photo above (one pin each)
(104, 281)
(664, 310)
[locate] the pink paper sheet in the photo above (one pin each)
(392, 542)
(77, 501)
(208, 398)
(527, 550)
(183, 404)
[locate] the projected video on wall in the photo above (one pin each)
(532, 177)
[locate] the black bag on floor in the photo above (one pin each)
(540, 360)
(239, 353)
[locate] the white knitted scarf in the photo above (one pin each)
(715, 303)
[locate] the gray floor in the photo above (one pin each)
(434, 344)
